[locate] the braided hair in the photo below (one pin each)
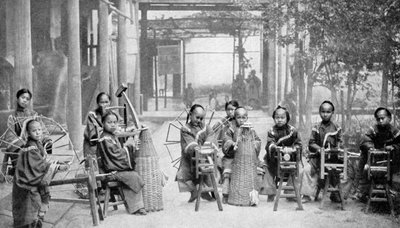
(192, 110)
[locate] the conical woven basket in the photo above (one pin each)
(244, 171)
(147, 165)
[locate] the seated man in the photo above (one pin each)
(381, 136)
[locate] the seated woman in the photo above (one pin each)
(34, 171)
(15, 122)
(121, 159)
(94, 124)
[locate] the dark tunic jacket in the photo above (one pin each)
(191, 137)
(32, 168)
(318, 134)
(378, 138)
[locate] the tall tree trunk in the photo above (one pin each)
(385, 84)
(310, 84)
(271, 74)
(348, 102)
(385, 73)
(302, 94)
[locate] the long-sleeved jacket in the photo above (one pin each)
(191, 137)
(377, 138)
(231, 137)
(33, 168)
(318, 134)
(282, 136)
(114, 157)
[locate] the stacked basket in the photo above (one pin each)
(244, 171)
(148, 168)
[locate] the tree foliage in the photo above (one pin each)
(347, 40)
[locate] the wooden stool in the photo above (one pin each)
(333, 162)
(111, 196)
(288, 167)
(205, 167)
(380, 176)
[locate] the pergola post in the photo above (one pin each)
(144, 57)
(121, 47)
(74, 108)
(104, 68)
(22, 45)
(10, 28)
(137, 80)
(271, 75)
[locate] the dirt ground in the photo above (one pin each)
(179, 213)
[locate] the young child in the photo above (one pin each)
(282, 134)
(382, 136)
(230, 148)
(225, 123)
(316, 143)
(114, 157)
(30, 194)
(193, 135)
(221, 128)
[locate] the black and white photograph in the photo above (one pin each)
(199, 113)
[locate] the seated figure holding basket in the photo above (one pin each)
(243, 144)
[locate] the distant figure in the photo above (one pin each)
(188, 96)
(253, 92)
(212, 101)
(239, 89)
(289, 102)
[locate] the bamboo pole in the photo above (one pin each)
(74, 109)
(104, 67)
(92, 186)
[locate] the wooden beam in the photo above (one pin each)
(10, 28)
(122, 56)
(22, 45)
(104, 67)
(137, 89)
(74, 108)
(191, 7)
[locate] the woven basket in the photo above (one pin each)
(244, 171)
(147, 165)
